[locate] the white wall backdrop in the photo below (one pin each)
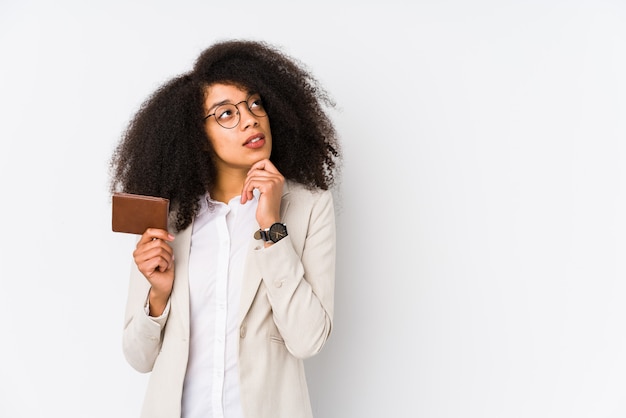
(481, 269)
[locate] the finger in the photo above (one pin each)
(154, 248)
(155, 233)
(151, 245)
(247, 192)
(252, 181)
(265, 165)
(155, 265)
(152, 259)
(261, 176)
(159, 263)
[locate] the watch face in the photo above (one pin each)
(277, 232)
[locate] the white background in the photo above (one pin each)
(480, 217)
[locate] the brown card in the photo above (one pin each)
(133, 213)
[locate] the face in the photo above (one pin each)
(246, 143)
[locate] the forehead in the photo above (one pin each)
(225, 91)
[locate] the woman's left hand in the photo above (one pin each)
(264, 176)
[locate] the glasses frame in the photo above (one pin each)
(238, 111)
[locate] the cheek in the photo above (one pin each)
(222, 145)
(213, 139)
(209, 143)
(267, 128)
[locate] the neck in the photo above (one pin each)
(228, 185)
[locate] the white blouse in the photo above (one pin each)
(219, 244)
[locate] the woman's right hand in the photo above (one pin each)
(155, 260)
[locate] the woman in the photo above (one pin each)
(223, 308)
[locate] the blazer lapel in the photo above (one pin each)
(251, 280)
(252, 275)
(180, 293)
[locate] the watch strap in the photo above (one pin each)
(266, 235)
(262, 234)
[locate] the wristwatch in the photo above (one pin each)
(274, 233)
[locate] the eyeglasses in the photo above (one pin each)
(228, 115)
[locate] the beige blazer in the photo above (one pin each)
(285, 315)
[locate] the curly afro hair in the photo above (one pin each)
(165, 150)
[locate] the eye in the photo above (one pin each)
(225, 112)
(255, 103)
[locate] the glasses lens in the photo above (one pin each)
(227, 116)
(255, 104)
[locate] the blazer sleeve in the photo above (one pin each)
(142, 335)
(299, 274)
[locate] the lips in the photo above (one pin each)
(254, 141)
